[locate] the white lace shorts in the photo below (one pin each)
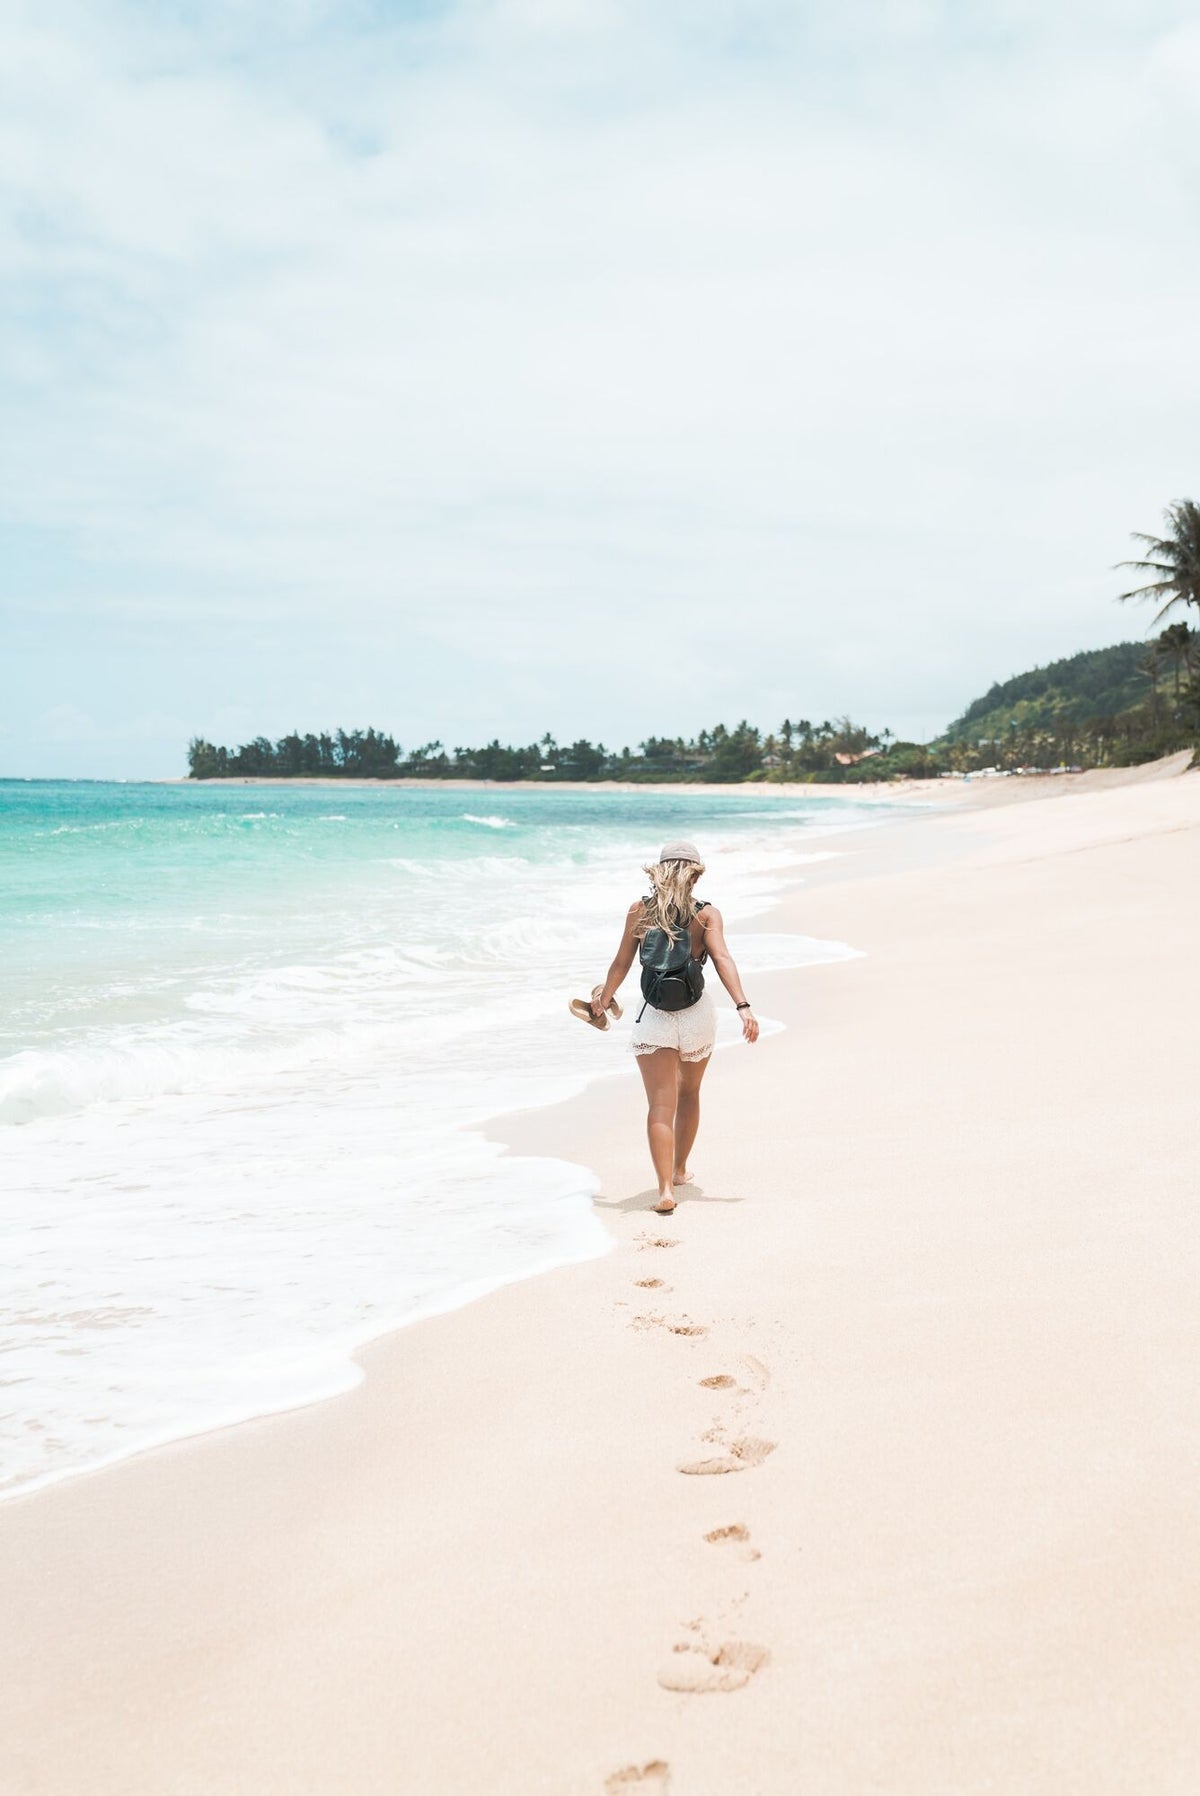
(693, 1032)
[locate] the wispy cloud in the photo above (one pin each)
(436, 347)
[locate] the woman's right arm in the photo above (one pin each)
(727, 973)
(622, 961)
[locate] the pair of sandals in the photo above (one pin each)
(582, 1009)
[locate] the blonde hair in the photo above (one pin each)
(670, 905)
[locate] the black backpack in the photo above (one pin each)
(672, 978)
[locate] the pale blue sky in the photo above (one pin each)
(612, 368)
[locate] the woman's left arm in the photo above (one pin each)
(604, 994)
(727, 973)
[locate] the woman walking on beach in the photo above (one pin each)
(676, 1025)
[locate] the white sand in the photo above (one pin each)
(945, 1245)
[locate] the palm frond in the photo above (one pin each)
(1148, 567)
(1147, 592)
(1177, 599)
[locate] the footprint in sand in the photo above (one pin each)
(704, 1671)
(760, 1375)
(743, 1455)
(684, 1327)
(650, 1284)
(653, 1779)
(655, 1241)
(737, 1537)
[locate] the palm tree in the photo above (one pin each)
(1174, 560)
(1151, 665)
(1177, 647)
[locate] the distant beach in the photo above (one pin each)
(894, 791)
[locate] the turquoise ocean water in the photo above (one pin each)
(246, 1034)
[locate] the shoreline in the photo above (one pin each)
(344, 1369)
(954, 791)
(784, 789)
(573, 1398)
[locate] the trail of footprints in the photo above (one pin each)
(700, 1663)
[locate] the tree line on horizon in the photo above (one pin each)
(1103, 707)
(800, 750)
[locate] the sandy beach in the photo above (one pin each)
(891, 791)
(873, 1469)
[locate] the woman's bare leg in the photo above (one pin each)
(687, 1116)
(660, 1076)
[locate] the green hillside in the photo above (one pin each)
(1096, 683)
(1091, 710)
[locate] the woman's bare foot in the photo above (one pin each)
(665, 1204)
(681, 1176)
